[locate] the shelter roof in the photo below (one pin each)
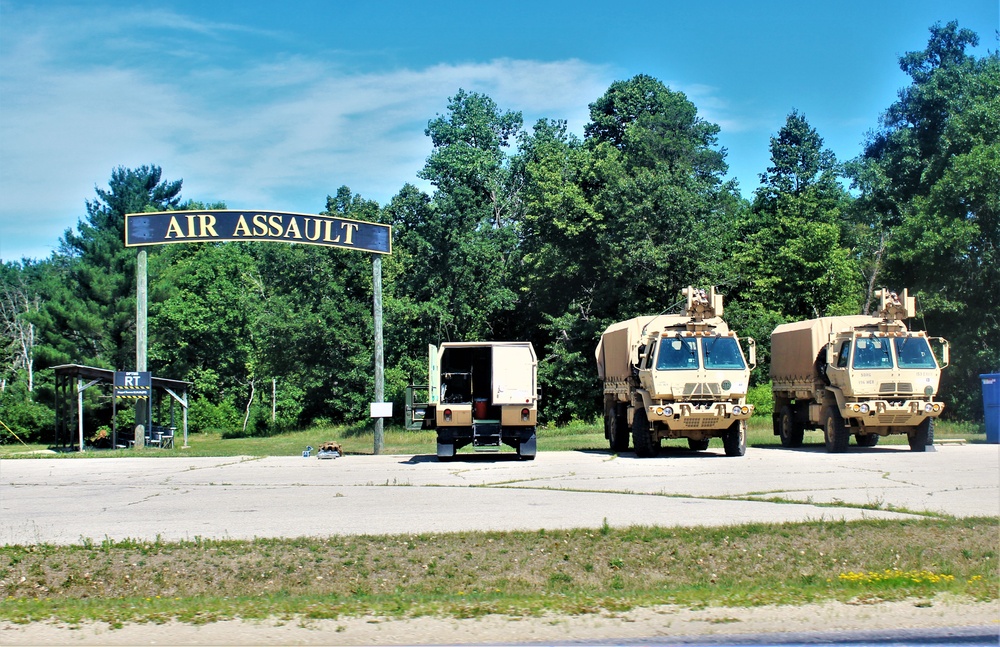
(107, 375)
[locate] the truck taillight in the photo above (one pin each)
(525, 414)
(447, 415)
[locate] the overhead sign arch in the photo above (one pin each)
(166, 227)
(221, 225)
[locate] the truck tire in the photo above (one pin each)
(918, 438)
(735, 440)
(642, 438)
(617, 428)
(698, 445)
(835, 431)
(790, 431)
(866, 440)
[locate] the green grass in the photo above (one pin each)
(359, 439)
(512, 573)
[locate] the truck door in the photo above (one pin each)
(513, 375)
(433, 375)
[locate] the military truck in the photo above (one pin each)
(676, 376)
(863, 375)
(482, 394)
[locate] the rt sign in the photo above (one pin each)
(167, 227)
(132, 384)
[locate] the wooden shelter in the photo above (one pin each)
(73, 379)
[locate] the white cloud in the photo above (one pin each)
(276, 132)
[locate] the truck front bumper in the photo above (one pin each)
(681, 416)
(885, 413)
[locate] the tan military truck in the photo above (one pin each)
(863, 375)
(482, 394)
(676, 376)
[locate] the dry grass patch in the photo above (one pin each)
(518, 573)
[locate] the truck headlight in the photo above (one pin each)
(928, 407)
(864, 408)
(928, 390)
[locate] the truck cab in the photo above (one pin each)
(676, 376)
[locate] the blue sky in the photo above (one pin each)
(274, 105)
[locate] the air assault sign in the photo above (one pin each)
(216, 226)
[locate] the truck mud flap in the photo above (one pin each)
(527, 448)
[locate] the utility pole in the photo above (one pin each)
(379, 357)
(141, 336)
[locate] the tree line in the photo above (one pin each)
(538, 234)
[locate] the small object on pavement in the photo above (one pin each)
(330, 449)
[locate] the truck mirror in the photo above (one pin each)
(945, 350)
(753, 352)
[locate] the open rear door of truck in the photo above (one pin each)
(433, 375)
(514, 374)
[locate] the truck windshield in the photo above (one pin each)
(721, 353)
(913, 352)
(872, 352)
(677, 353)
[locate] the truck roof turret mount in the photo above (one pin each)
(702, 305)
(893, 307)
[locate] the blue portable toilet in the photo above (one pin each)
(991, 406)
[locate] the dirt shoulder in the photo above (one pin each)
(658, 622)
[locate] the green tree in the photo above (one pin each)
(90, 312)
(792, 262)
(473, 219)
(930, 173)
(616, 226)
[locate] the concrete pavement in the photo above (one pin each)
(66, 501)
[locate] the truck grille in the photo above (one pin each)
(702, 388)
(893, 387)
(890, 420)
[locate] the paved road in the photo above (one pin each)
(64, 501)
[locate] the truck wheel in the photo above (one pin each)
(735, 440)
(835, 431)
(789, 429)
(642, 438)
(918, 438)
(698, 445)
(617, 428)
(866, 440)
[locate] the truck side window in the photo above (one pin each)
(845, 352)
(650, 354)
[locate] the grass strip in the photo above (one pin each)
(605, 570)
